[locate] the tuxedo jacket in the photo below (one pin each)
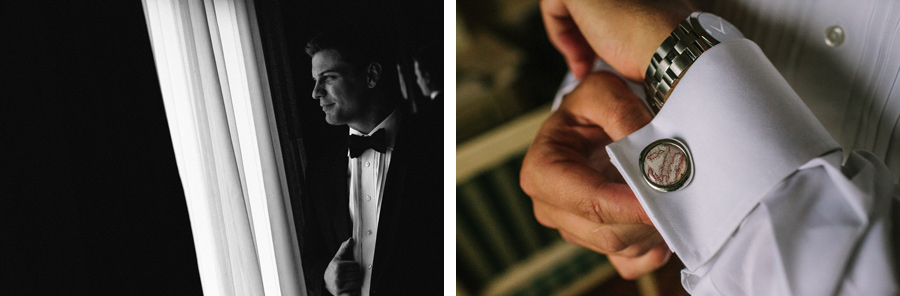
(409, 249)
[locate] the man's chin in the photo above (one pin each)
(332, 121)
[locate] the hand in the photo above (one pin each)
(577, 190)
(343, 276)
(623, 33)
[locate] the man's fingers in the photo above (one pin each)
(567, 165)
(557, 174)
(346, 250)
(566, 37)
(633, 267)
(638, 249)
(349, 275)
(620, 239)
(348, 267)
(604, 100)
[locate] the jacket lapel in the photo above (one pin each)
(391, 210)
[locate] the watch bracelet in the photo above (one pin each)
(671, 59)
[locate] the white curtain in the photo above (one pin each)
(219, 110)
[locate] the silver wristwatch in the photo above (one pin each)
(693, 36)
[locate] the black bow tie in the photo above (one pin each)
(359, 144)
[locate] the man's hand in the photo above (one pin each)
(343, 276)
(623, 33)
(576, 189)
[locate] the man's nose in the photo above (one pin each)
(318, 91)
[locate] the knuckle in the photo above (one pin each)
(529, 174)
(628, 114)
(632, 251)
(525, 180)
(628, 274)
(620, 114)
(591, 209)
(568, 238)
(611, 242)
(542, 218)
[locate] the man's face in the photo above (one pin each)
(339, 88)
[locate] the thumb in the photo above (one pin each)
(346, 250)
(603, 99)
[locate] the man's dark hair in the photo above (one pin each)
(430, 59)
(360, 45)
(357, 45)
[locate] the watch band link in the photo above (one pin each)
(671, 59)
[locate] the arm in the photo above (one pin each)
(589, 203)
(770, 210)
(575, 188)
(793, 148)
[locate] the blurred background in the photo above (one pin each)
(507, 75)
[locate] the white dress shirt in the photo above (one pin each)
(368, 174)
(852, 88)
(770, 210)
(781, 203)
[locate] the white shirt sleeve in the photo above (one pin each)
(770, 209)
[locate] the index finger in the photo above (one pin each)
(567, 164)
(567, 169)
(602, 99)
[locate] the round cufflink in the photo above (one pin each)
(666, 165)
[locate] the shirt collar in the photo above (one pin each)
(391, 125)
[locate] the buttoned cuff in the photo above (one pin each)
(746, 130)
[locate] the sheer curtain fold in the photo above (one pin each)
(219, 111)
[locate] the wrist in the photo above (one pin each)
(625, 34)
(659, 30)
(691, 38)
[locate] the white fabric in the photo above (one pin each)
(771, 209)
(854, 88)
(368, 173)
(742, 144)
(802, 238)
(750, 223)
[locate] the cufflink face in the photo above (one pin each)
(667, 165)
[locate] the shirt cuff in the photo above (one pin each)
(746, 130)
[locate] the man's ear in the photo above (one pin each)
(373, 73)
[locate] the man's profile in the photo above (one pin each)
(372, 221)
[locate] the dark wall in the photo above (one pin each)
(92, 203)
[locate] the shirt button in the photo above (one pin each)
(368, 164)
(370, 266)
(369, 232)
(834, 36)
(368, 197)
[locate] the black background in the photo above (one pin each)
(92, 203)
(90, 199)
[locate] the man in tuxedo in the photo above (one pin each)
(373, 215)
